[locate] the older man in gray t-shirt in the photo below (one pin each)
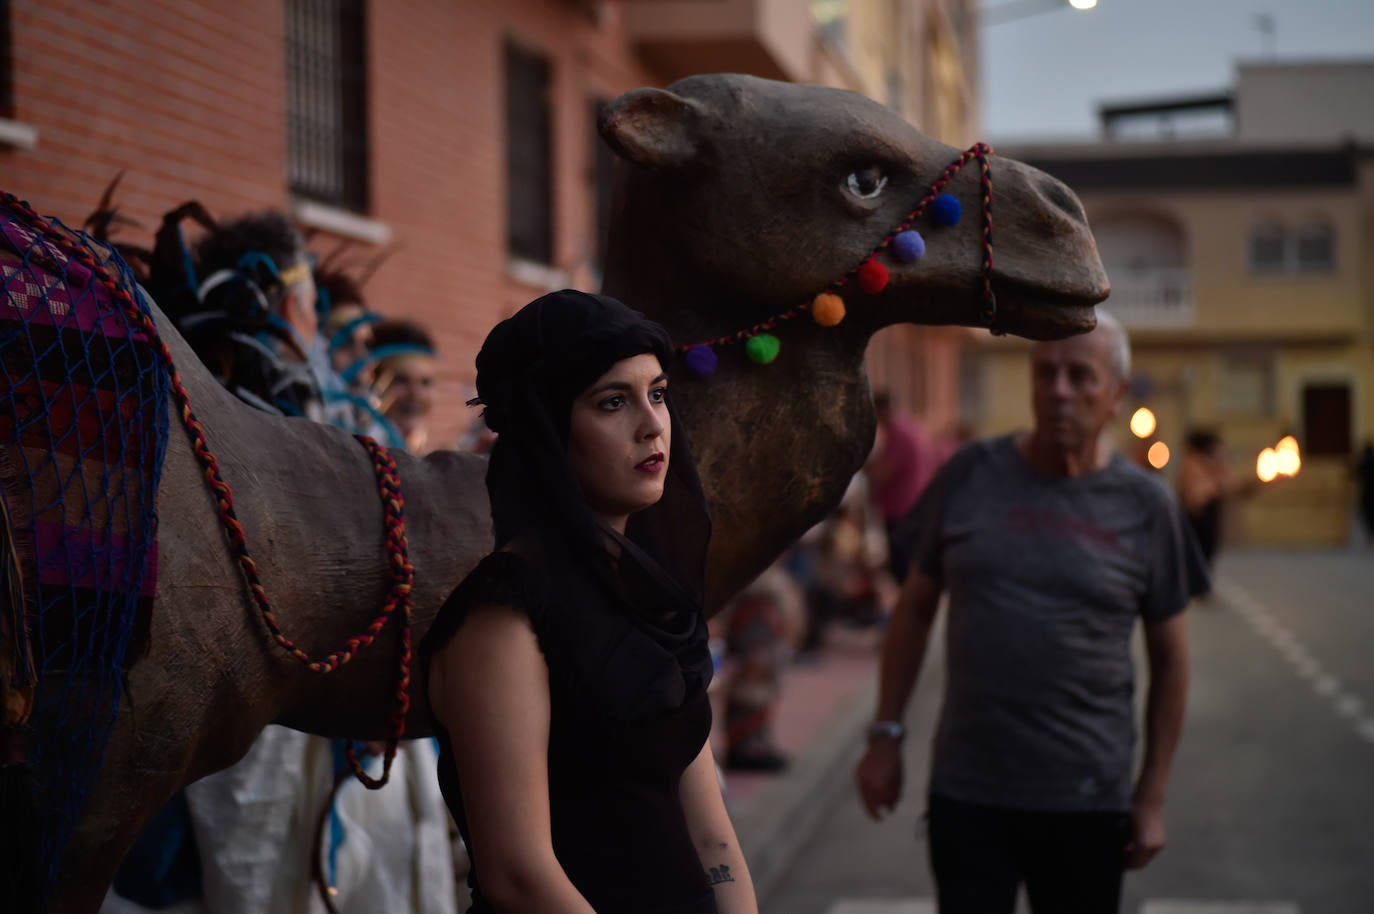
(1050, 547)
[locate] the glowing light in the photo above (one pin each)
(1143, 423)
(1267, 466)
(1082, 4)
(1289, 458)
(1158, 455)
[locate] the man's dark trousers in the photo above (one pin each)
(1071, 863)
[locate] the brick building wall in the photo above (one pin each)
(188, 99)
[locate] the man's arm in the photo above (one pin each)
(879, 774)
(1166, 644)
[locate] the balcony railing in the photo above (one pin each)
(770, 38)
(1151, 296)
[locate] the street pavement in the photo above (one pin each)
(1273, 789)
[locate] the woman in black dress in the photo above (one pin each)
(568, 671)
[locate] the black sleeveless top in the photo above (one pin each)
(628, 714)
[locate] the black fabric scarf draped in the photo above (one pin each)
(530, 370)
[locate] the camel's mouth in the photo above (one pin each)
(1040, 314)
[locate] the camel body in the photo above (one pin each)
(734, 204)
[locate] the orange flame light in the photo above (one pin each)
(1158, 455)
(1289, 459)
(1142, 423)
(1283, 459)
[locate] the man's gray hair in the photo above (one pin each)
(1118, 344)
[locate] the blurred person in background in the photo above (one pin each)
(1364, 479)
(256, 324)
(1052, 547)
(902, 463)
(341, 356)
(1205, 484)
(757, 635)
(847, 568)
(404, 360)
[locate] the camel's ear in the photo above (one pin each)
(652, 127)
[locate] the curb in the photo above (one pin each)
(779, 820)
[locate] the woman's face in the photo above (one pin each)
(619, 437)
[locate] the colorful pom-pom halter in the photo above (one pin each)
(827, 308)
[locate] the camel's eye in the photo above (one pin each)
(867, 183)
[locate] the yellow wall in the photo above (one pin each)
(1310, 510)
(1228, 297)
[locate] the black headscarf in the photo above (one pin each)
(530, 370)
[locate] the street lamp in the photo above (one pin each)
(1012, 10)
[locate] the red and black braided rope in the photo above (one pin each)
(388, 483)
(980, 151)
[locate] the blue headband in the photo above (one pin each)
(343, 334)
(350, 374)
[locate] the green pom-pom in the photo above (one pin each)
(762, 349)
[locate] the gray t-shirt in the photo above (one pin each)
(1046, 578)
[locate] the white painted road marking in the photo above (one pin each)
(1175, 906)
(1349, 707)
(1161, 906)
(883, 906)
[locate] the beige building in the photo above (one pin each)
(1239, 262)
(459, 135)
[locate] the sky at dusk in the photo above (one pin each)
(1045, 74)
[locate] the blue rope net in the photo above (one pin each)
(83, 435)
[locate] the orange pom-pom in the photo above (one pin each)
(827, 309)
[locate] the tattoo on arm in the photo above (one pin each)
(718, 874)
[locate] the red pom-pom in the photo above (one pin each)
(872, 276)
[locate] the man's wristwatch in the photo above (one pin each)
(886, 729)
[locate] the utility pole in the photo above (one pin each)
(1268, 29)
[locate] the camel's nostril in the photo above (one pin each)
(1063, 199)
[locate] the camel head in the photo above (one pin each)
(740, 199)
(747, 196)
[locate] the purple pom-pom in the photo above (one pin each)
(909, 246)
(702, 361)
(945, 209)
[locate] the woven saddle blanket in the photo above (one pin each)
(83, 433)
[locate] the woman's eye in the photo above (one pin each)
(658, 394)
(867, 183)
(613, 402)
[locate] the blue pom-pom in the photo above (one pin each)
(909, 246)
(702, 361)
(946, 210)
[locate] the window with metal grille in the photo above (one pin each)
(326, 101)
(529, 169)
(6, 63)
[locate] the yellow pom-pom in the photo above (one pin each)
(828, 309)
